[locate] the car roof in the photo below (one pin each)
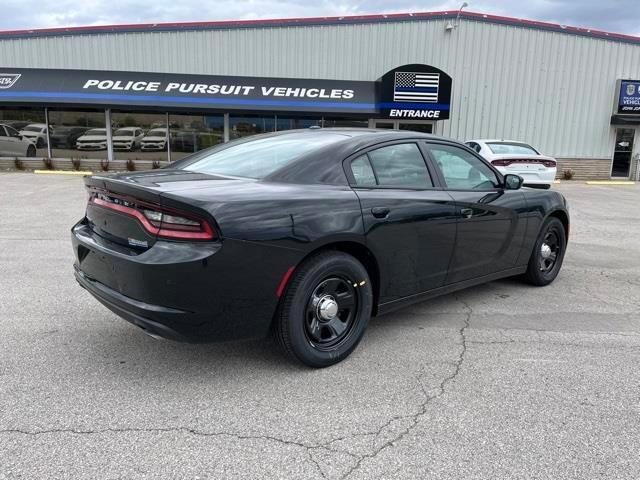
(314, 167)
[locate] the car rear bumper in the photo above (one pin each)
(194, 292)
(532, 176)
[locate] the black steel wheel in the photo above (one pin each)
(31, 151)
(548, 253)
(325, 309)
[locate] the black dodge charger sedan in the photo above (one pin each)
(307, 234)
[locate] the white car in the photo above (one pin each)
(13, 145)
(35, 133)
(518, 158)
(94, 139)
(155, 140)
(127, 138)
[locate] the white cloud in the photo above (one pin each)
(614, 15)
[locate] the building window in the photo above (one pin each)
(31, 128)
(330, 122)
(292, 123)
(139, 136)
(78, 134)
(190, 133)
(242, 126)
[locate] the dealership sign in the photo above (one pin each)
(412, 91)
(629, 97)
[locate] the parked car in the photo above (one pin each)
(127, 138)
(13, 145)
(66, 136)
(94, 139)
(307, 234)
(518, 158)
(17, 124)
(155, 140)
(185, 141)
(36, 133)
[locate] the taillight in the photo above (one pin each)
(501, 163)
(505, 162)
(155, 219)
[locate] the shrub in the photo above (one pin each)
(104, 165)
(567, 174)
(75, 163)
(48, 163)
(131, 165)
(155, 164)
(19, 164)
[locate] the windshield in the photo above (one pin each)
(60, 130)
(123, 132)
(500, 148)
(96, 131)
(33, 129)
(158, 132)
(260, 157)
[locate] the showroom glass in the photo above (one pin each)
(192, 133)
(400, 165)
(21, 118)
(129, 138)
(292, 123)
(72, 136)
(344, 122)
(260, 157)
(242, 126)
(462, 170)
(500, 148)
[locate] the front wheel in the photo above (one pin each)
(325, 309)
(31, 151)
(548, 253)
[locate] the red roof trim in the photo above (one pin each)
(293, 22)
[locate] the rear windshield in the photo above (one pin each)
(260, 157)
(501, 148)
(123, 132)
(157, 133)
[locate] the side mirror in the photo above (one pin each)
(512, 182)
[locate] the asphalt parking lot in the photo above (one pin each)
(498, 381)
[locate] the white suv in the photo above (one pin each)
(127, 138)
(518, 158)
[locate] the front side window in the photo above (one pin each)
(11, 132)
(462, 170)
(400, 165)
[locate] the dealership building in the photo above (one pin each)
(167, 90)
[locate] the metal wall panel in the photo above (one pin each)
(552, 89)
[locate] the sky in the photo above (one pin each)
(619, 16)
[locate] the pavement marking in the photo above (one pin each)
(610, 182)
(62, 172)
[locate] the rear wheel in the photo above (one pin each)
(325, 310)
(40, 142)
(548, 253)
(31, 151)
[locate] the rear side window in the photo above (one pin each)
(400, 166)
(362, 172)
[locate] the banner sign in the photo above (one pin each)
(416, 92)
(412, 91)
(629, 97)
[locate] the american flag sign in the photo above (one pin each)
(416, 87)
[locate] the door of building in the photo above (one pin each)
(622, 152)
(412, 125)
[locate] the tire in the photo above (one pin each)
(31, 151)
(302, 327)
(545, 263)
(39, 143)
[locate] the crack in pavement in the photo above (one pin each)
(308, 447)
(428, 398)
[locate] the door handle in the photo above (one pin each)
(380, 212)
(466, 212)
